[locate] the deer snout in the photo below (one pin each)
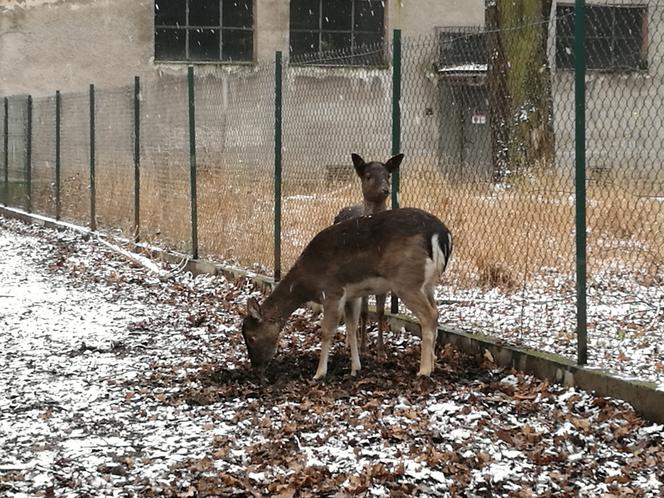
(386, 191)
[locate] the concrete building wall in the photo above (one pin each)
(66, 44)
(329, 111)
(418, 17)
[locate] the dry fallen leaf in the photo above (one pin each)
(192, 417)
(582, 424)
(289, 492)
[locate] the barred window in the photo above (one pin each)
(354, 28)
(203, 30)
(463, 45)
(616, 37)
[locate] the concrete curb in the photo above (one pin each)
(644, 397)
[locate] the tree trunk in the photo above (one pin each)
(519, 86)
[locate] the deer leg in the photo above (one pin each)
(419, 303)
(329, 324)
(432, 301)
(364, 314)
(347, 309)
(380, 312)
(352, 311)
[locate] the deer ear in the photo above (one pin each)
(253, 309)
(393, 163)
(359, 164)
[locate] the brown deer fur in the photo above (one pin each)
(375, 182)
(402, 251)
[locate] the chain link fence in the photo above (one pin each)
(235, 156)
(164, 185)
(330, 111)
(15, 153)
(43, 155)
(487, 126)
(114, 159)
(75, 156)
(499, 179)
(625, 198)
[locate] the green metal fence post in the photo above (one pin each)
(580, 151)
(396, 128)
(93, 186)
(6, 152)
(277, 163)
(137, 156)
(58, 206)
(192, 163)
(28, 156)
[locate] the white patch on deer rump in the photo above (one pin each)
(448, 250)
(434, 267)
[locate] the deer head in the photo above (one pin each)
(261, 336)
(375, 177)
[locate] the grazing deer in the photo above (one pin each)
(375, 181)
(402, 250)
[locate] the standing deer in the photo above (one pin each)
(375, 181)
(404, 251)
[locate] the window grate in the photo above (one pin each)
(203, 30)
(354, 28)
(616, 37)
(462, 47)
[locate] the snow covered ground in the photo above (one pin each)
(625, 321)
(116, 383)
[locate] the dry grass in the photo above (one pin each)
(235, 216)
(626, 225)
(74, 196)
(502, 237)
(43, 200)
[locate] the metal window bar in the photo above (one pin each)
(187, 27)
(324, 55)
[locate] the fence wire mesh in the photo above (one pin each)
(495, 177)
(488, 133)
(165, 188)
(114, 158)
(16, 151)
(43, 155)
(75, 157)
(329, 113)
(235, 156)
(624, 123)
